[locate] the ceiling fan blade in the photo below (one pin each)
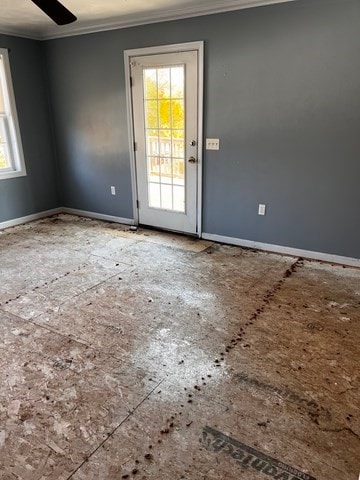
(56, 11)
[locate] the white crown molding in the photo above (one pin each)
(143, 19)
(15, 32)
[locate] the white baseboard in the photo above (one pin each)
(295, 252)
(70, 211)
(29, 218)
(97, 216)
(267, 247)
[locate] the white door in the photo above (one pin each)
(165, 110)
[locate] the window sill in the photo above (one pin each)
(12, 174)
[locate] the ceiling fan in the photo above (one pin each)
(56, 11)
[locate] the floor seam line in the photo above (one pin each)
(108, 258)
(67, 337)
(47, 283)
(265, 302)
(85, 291)
(115, 430)
(63, 303)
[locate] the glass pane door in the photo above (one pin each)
(165, 119)
(164, 113)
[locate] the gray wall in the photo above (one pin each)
(283, 95)
(38, 191)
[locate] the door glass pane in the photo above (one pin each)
(177, 114)
(165, 143)
(154, 169)
(164, 114)
(152, 143)
(154, 195)
(166, 197)
(151, 114)
(177, 82)
(150, 85)
(164, 108)
(178, 146)
(179, 198)
(178, 133)
(178, 171)
(166, 170)
(164, 83)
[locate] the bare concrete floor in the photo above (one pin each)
(154, 356)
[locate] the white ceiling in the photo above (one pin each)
(22, 17)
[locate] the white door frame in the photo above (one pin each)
(176, 48)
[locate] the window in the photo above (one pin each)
(11, 154)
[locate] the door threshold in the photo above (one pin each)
(166, 230)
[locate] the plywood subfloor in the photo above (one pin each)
(154, 356)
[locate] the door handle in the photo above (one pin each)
(192, 160)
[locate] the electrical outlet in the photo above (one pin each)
(113, 190)
(262, 209)
(212, 144)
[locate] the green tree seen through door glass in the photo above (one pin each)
(164, 111)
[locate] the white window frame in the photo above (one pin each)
(10, 122)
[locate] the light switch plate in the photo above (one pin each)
(113, 190)
(212, 144)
